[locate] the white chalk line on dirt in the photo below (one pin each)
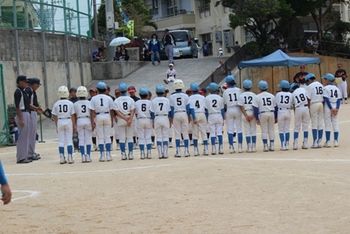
(31, 194)
(92, 171)
(279, 159)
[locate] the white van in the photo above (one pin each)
(185, 43)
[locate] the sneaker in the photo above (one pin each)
(187, 153)
(231, 148)
(102, 158)
(314, 145)
(94, 147)
(149, 156)
(304, 146)
(266, 148)
(109, 157)
(327, 144)
(253, 147)
(336, 144)
(63, 160)
(142, 154)
(240, 150)
(272, 147)
(83, 159)
(205, 151)
(196, 151)
(170, 145)
(70, 160)
(177, 155)
(88, 159)
(221, 149)
(130, 155)
(166, 81)
(153, 146)
(346, 101)
(213, 150)
(124, 156)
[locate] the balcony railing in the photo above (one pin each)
(179, 12)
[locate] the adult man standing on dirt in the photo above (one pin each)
(169, 43)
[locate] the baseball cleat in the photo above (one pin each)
(295, 145)
(83, 159)
(314, 146)
(109, 157)
(149, 156)
(240, 150)
(88, 158)
(124, 156)
(221, 149)
(142, 155)
(213, 150)
(336, 144)
(187, 154)
(253, 147)
(130, 155)
(70, 160)
(272, 146)
(304, 146)
(177, 155)
(266, 148)
(327, 144)
(205, 151)
(231, 148)
(102, 159)
(63, 160)
(196, 151)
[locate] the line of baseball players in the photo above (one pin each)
(237, 108)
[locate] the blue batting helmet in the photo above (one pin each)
(329, 76)
(247, 84)
(230, 79)
(284, 84)
(309, 76)
(143, 91)
(101, 85)
(160, 89)
(263, 85)
(213, 86)
(194, 87)
(123, 87)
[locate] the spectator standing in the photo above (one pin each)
(315, 44)
(236, 47)
(154, 48)
(283, 45)
(205, 49)
(169, 43)
(343, 85)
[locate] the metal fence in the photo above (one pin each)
(57, 16)
(4, 133)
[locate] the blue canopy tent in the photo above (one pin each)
(278, 58)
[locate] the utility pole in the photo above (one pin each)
(95, 20)
(110, 28)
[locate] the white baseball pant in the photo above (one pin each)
(234, 120)
(283, 120)
(200, 127)
(316, 115)
(249, 127)
(144, 131)
(125, 133)
(267, 125)
(84, 131)
(65, 132)
(180, 124)
(215, 122)
(103, 128)
(161, 127)
(330, 120)
(302, 117)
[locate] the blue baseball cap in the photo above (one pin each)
(160, 89)
(247, 84)
(230, 79)
(194, 87)
(213, 86)
(123, 87)
(309, 76)
(329, 76)
(284, 84)
(263, 85)
(101, 85)
(143, 91)
(293, 86)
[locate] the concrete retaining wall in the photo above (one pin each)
(115, 70)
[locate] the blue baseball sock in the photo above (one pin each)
(88, 149)
(248, 140)
(82, 150)
(287, 136)
(296, 135)
(220, 140)
(213, 140)
(177, 143)
(122, 146)
(195, 143)
(108, 147)
(314, 134)
(142, 147)
(328, 135)
(230, 138)
(282, 138)
(254, 139)
(158, 143)
(205, 142)
(165, 143)
(131, 146)
(61, 150)
(186, 143)
(264, 141)
(240, 138)
(306, 134)
(320, 134)
(149, 146)
(70, 149)
(336, 135)
(101, 147)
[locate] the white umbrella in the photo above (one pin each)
(119, 41)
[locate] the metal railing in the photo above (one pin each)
(176, 13)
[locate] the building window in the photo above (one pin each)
(172, 7)
(154, 8)
(204, 6)
(249, 36)
(208, 38)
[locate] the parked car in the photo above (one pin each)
(185, 43)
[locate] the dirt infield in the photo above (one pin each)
(302, 191)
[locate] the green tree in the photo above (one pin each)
(7, 18)
(134, 9)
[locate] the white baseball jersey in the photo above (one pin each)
(63, 109)
(101, 104)
(124, 105)
(214, 103)
(246, 100)
(332, 93)
(171, 73)
(160, 106)
(82, 108)
(284, 100)
(231, 96)
(300, 98)
(265, 102)
(197, 102)
(315, 92)
(179, 101)
(143, 109)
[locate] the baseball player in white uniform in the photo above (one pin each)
(233, 113)
(284, 106)
(332, 96)
(102, 116)
(315, 97)
(125, 109)
(301, 115)
(144, 123)
(265, 112)
(199, 119)
(160, 110)
(180, 111)
(245, 101)
(83, 123)
(216, 115)
(63, 113)
(170, 74)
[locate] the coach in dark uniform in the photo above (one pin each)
(169, 43)
(34, 84)
(22, 104)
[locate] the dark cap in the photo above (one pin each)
(73, 89)
(93, 90)
(131, 89)
(34, 81)
(21, 78)
(202, 91)
(167, 30)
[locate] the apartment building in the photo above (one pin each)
(205, 21)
